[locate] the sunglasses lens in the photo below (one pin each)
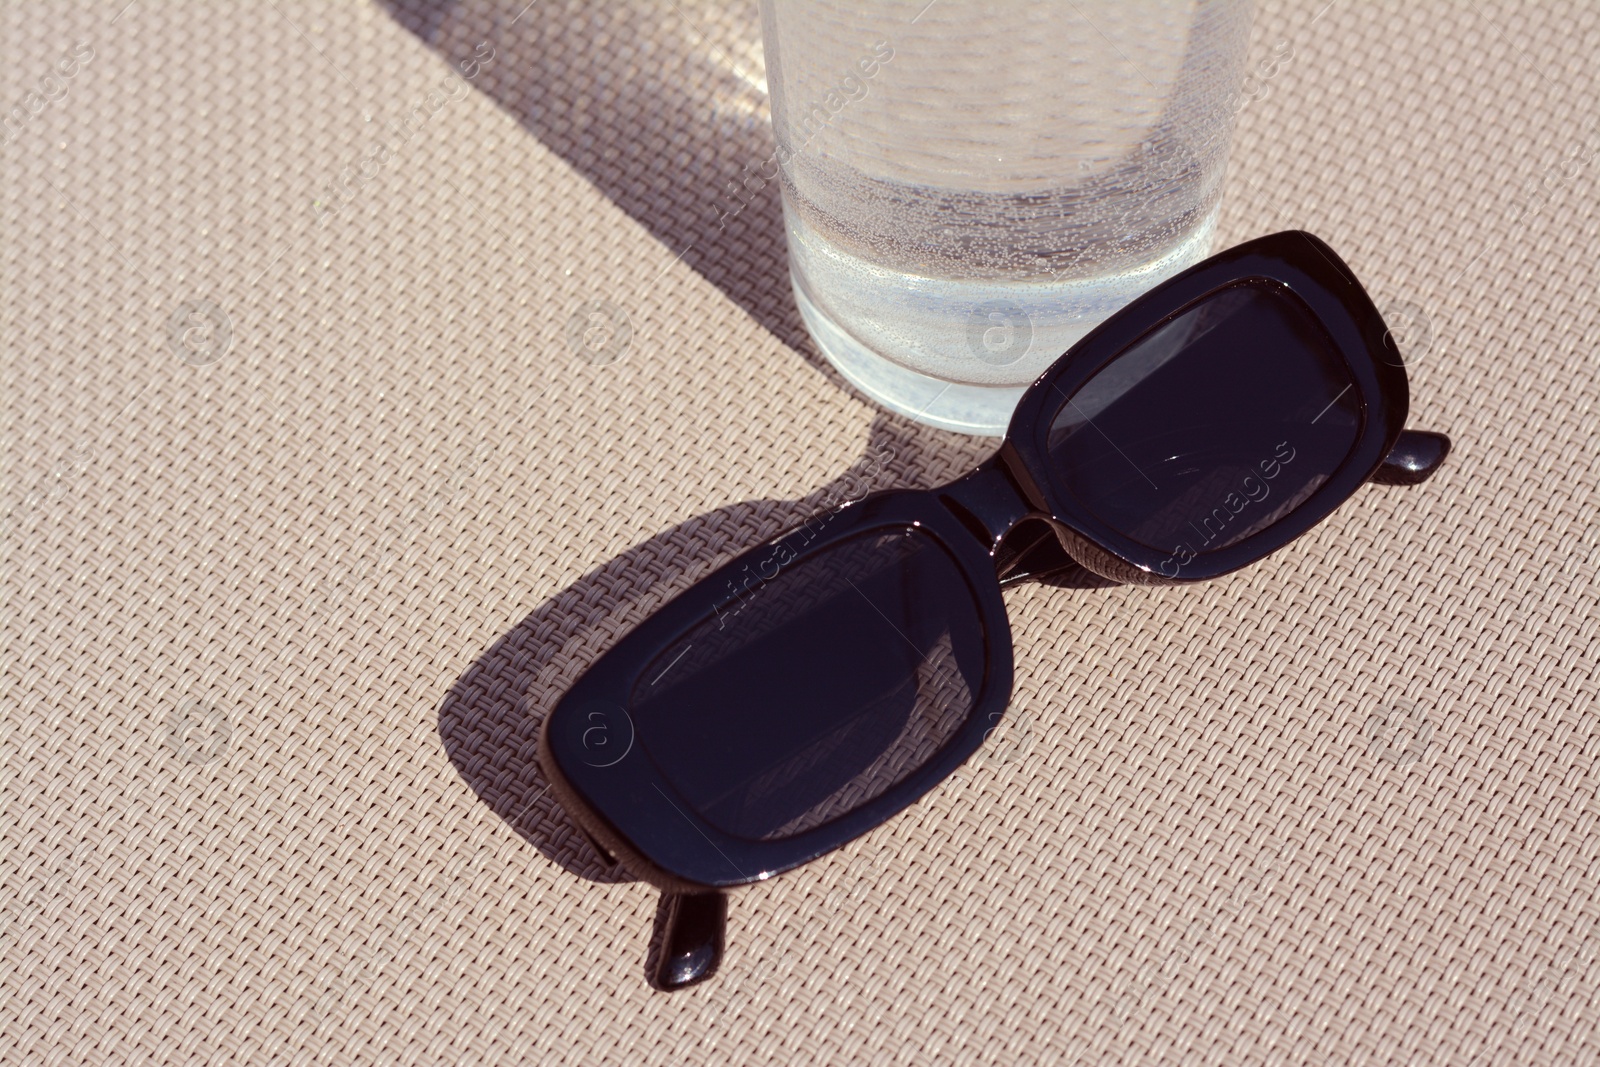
(825, 680)
(1212, 427)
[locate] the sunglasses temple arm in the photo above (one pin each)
(691, 931)
(1416, 455)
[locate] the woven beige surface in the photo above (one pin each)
(311, 509)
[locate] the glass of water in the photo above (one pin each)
(969, 187)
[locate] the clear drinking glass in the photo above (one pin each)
(968, 187)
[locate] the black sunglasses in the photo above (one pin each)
(820, 683)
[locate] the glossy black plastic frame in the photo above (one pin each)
(1295, 262)
(629, 809)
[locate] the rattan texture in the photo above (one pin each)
(317, 493)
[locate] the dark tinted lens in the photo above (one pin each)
(1211, 427)
(822, 683)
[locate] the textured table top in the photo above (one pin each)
(311, 508)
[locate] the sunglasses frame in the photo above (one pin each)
(626, 806)
(632, 811)
(1310, 273)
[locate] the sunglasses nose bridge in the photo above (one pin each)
(988, 501)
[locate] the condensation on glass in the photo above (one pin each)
(969, 187)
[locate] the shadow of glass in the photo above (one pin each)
(665, 127)
(667, 131)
